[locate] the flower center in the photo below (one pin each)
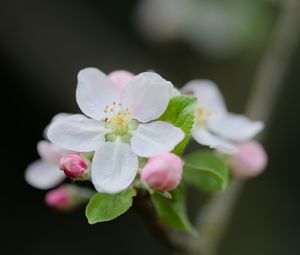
(118, 123)
(201, 115)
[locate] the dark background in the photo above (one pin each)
(43, 45)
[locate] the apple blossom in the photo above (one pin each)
(249, 161)
(117, 127)
(163, 172)
(74, 166)
(214, 126)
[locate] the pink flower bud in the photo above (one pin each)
(163, 172)
(249, 161)
(59, 198)
(120, 78)
(74, 166)
(68, 197)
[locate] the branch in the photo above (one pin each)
(144, 206)
(274, 65)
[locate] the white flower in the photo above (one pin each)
(214, 126)
(44, 173)
(116, 129)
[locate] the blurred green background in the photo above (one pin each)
(44, 44)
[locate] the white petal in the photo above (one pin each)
(77, 133)
(56, 117)
(202, 136)
(60, 116)
(155, 138)
(50, 153)
(114, 167)
(208, 95)
(43, 175)
(94, 92)
(235, 127)
(147, 96)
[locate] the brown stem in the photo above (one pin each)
(144, 206)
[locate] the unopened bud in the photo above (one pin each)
(68, 197)
(120, 78)
(250, 160)
(59, 198)
(74, 166)
(163, 172)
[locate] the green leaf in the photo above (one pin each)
(105, 207)
(172, 211)
(180, 113)
(206, 171)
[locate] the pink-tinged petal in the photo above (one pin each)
(147, 96)
(43, 175)
(235, 127)
(155, 138)
(77, 133)
(120, 78)
(50, 152)
(208, 95)
(250, 160)
(94, 91)
(163, 172)
(202, 136)
(114, 167)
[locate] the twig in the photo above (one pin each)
(215, 216)
(274, 65)
(213, 219)
(144, 206)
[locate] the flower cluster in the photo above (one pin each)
(128, 138)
